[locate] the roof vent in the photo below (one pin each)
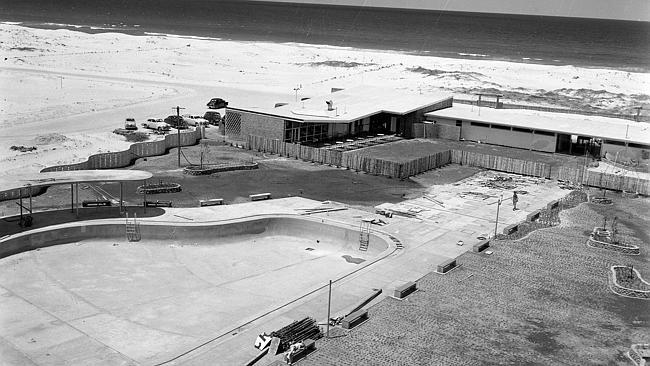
(330, 105)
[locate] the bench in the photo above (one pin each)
(355, 318)
(481, 246)
(158, 203)
(309, 346)
(211, 202)
(260, 196)
(447, 266)
(533, 216)
(96, 203)
(510, 229)
(404, 290)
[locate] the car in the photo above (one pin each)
(129, 124)
(193, 120)
(156, 124)
(176, 122)
(217, 103)
(213, 117)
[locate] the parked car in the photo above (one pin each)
(176, 122)
(193, 120)
(156, 124)
(217, 103)
(213, 117)
(129, 124)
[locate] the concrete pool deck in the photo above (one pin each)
(149, 302)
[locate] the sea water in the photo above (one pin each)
(531, 39)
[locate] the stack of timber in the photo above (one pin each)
(297, 331)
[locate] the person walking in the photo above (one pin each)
(515, 199)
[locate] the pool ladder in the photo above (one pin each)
(364, 235)
(132, 229)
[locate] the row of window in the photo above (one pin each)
(304, 132)
(518, 129)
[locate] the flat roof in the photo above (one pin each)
(573, 124)
(11, 182)
(350, 105)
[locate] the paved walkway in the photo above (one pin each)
(446, 215)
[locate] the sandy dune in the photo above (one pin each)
(82, 86)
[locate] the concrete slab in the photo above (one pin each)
(156, 299)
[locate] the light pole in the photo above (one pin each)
(329, 305)
(298, 87)
(496, 222)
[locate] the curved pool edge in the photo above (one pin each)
(151, 228)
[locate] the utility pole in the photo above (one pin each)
(178, 129)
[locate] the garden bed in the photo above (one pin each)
(602, 238)
(210, 169)
(626, 281)
(601, 200)
(159, 188)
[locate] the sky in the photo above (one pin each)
(604, 9)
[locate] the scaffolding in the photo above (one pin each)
(132, 228)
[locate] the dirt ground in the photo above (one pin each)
(280, 176)
(542, 299)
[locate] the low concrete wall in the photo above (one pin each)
(320, 233)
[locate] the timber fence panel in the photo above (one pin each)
(120, 159)
(500, 163)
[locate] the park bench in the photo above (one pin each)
(511, 229)
(158, 203)
(446, 266)
(211, 202)
(355, 318)
(260, 196)
(95, 203)
(404, 290)
(481, 246)
(309, 346)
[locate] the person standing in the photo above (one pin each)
(515, 199)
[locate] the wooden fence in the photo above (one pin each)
(501, 163)
(578, 175)
(351, 160)
(360, 162)
(118, 159)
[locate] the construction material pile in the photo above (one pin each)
(298, 331)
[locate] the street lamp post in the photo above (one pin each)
(496, 222)
(298, 87)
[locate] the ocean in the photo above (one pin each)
(532, 39)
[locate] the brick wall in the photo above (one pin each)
(260, 125)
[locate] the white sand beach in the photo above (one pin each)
(65, 91)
